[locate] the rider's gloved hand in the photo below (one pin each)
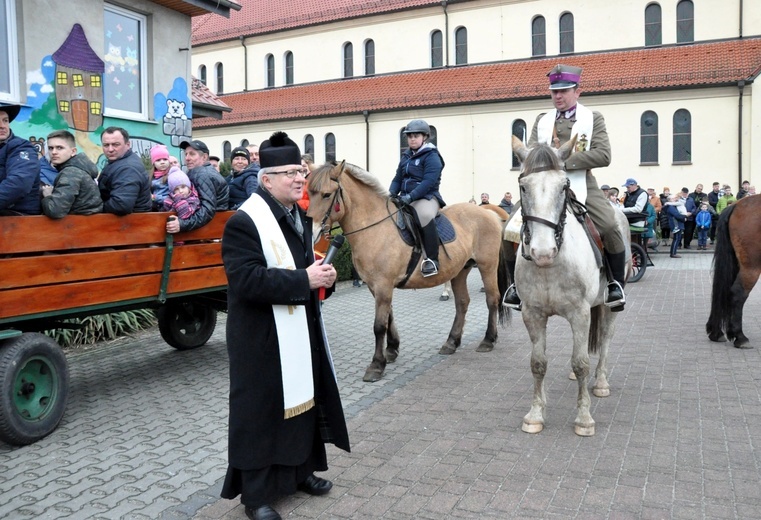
(405, 199)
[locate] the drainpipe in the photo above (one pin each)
(367, 139)
(446, 33)
(741, 18)
(245, 63)
(740, 86)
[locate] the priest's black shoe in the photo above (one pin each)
(262, 513)
(315, 485)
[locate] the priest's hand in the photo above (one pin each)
(321, 275)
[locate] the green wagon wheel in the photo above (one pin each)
(34, 378)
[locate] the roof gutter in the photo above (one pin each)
(221, 7)
(740, 87)
(446, 33)
(366, 114)
(245, 63)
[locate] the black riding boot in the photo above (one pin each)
(430, 265)
(615, 297)
(511, 299)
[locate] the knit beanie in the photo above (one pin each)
(159, 152)
(177, 177)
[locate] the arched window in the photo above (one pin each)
(685, 22)
(519, 131)
(566, 33)
(226, 150)
(202, 74)
(244, 142)
(682, 136)
(437, 49)
(648, 138)
(348, 60)
(461, 46)
(288, 58)
(309, 145)
(653, 31)
(369, 58)
(538, 36)
(330, 147)
(270, 64)
(220, 73)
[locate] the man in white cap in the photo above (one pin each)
(555, 128)
(19, 169)
(284, 400)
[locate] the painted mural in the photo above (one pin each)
(68, 92)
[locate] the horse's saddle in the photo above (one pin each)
(405, 224)
(579, 211)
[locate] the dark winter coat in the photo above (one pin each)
(259, 435)
(676, 219)
(19, 176)
(124, 186)
(243, 184)
(74, 189)
(213, 193)
(419, 174)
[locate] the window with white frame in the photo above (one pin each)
(125, 85)
(8, 52)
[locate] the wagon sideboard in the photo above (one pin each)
(83, 264)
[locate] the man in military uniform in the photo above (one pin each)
(556, 128)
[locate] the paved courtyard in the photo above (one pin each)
(144, 436)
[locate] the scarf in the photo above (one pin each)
(290, 320)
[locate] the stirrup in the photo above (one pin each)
(429, 268)
(617, 304)
(515, 302)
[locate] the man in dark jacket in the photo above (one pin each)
(124, 184)
(19, 169)
(243, 179)
(74, 189)
(284, 400)
(211, 187)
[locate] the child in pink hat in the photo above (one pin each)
(182, 198)
(161, 164)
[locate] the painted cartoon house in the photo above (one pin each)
(79, 82)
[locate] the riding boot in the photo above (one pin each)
(430, 266)
(615, 297)
(511, 299)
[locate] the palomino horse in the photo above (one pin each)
(351, 196)
(560, 281)
(736, 267)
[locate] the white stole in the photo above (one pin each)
(290, 320)
(581, 128)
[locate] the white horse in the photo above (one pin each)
(557, 274)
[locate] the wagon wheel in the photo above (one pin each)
(186, 325)
(639, 263)
(34, 386)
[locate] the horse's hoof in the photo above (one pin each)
(601, 392)
(743, 343)
(584, 431)
(372, 376)
(485, 347)
(443, 298)
(572, 376)
(532, 427)
(720, 338)
(447, 349)
(391, 355)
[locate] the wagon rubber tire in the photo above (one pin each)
(34, 381)
(186, 325)
(639, 263)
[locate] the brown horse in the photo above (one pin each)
(736, 267)
(351, 196)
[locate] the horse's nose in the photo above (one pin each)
(544, 257)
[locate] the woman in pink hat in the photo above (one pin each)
(159, 186)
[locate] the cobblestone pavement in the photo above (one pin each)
(144, 436)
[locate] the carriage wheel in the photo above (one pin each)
(34, 381)
(186, 325)
(639, 263)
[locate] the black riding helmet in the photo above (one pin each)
(417, 126)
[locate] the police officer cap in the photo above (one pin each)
(417, 126)
(279, 150)
(564, 76)
(11, 110)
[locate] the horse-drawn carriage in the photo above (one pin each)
(86, 265)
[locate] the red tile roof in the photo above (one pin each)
(204, 97)
(261, 17)
(682, 66)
